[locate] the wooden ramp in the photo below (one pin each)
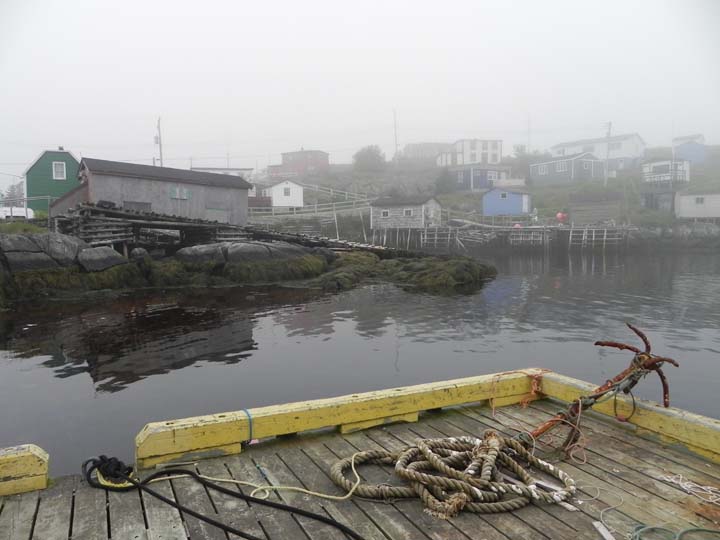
(624, 468)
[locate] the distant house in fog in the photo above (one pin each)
(285, 194)
(701, 205)
(478, 177)
(690, 148)
(163, 190)
(567, 170)
(471, 151)
(426, 151)
(622, 151)
(506, 202)
(406, 212)
(300, 163)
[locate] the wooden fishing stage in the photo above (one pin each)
(624, 467)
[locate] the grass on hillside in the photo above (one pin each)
(20, 227)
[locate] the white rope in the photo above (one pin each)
(708, 494)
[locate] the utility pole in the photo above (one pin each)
(528, 134)
(158, 140)
(607, 151)
(396, 139)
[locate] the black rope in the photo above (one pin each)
(115, 471)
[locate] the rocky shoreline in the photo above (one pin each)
(51, 265)
(698, 236)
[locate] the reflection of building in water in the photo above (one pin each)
(118, 349)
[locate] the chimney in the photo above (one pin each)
(61, 148)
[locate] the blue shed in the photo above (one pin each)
(505, 202)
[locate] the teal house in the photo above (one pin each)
(54, 173)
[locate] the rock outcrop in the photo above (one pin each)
(100, 258)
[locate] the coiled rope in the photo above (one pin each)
(453, 474)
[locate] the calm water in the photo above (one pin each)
(81, 380)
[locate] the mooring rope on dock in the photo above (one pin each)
(456, 474)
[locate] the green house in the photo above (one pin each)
(54, 173)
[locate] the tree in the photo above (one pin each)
(444, 183)
(369, 159)
(14, 191)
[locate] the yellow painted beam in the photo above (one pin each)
(23, 468)
(365, 424)
(697, 433)
(160, 442)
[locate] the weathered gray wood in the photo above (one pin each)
(277, 524)
(164, 522)
(658, 494)
(191, 493)
(90, 513)
(18, 515)
(126, 515)
(316, 478)
(55, 510)
(235, 512)
(385, 516)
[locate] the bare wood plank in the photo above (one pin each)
(668, 456)
(18, 516)
(90, 513)
(55, 510)
(164, 522)
(660, 495)
(235, 512)
(191, 493)
(385, 516)
(609, 494)
(277, 524)
(316, 478)
(507, 524)
(126, 515)
(278, 474)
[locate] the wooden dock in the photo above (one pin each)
(622, 465)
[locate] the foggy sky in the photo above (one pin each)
(254, 79)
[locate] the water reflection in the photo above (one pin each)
(65, 369)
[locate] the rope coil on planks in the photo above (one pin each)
(456, 474)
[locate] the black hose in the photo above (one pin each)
(116, 471)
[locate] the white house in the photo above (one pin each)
(697, 205)
(286, 193)
(471, 151)
(621, 151)
(666, 170)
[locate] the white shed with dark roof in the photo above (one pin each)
(162, 190)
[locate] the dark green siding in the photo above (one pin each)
(39, 178)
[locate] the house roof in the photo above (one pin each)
(614, 138)
(509, 189)
(221, 168)
(58, 151)
(402, 200)
(685, 138)
(569, 157)
(286, 181)
(303, 151)
(163, 174)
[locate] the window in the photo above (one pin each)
(286, 192)
(542, 170)
(503, 195)
(699, 200)
(473, 157)
(473, 145)
(58, 169)
(492, 175)
(385, 213)
(588, 148)
(180, 193)
(408, 212)
(561, 166)
(621, 163)
(586, 165)
(494, 145)
(485, 146)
